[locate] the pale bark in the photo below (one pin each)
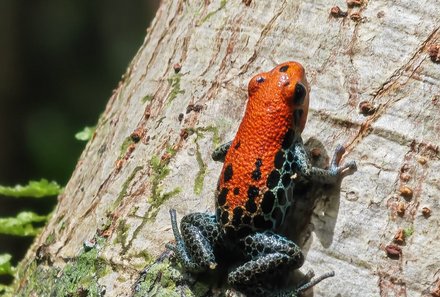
(121, 190)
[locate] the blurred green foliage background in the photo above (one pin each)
(59, 62)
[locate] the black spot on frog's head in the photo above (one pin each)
(299, 94)
(260, 79)
(284, 68)
(256, 83)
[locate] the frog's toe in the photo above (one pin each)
(348, 169)
(337, 155)
(170, 247)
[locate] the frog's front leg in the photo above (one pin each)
(219, 153)
(267, 252)
(302, 163)
(195, 246)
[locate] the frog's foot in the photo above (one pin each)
(314, 282)
(267, 253)
(194, 247)
(298, 291)
(326, 176)
(220, 152)
(344, 170)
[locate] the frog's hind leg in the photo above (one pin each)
(267, 253)
(194, 248)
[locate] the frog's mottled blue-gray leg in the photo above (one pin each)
(327, 176)
(297, 292)
(219, 153)
(194, 247)
(267, 252)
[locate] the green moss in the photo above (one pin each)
(200, 177)
(5, 265)
(6, 291)
(50, 239)
(174, 81)
(160, 280)
(200, 289)
(125, 186)
(164, 279)
(160, 171)
(78, 277)
(122, 232)
(209, 15)
(147, 98)
(124, 146)
(146, 256)
(82, 275)
(35, 276)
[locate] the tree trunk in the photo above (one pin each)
(375, 82)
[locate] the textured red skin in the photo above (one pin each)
(268, 116)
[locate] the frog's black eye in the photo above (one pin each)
(300, 94)
(284, 68)
(260, 79)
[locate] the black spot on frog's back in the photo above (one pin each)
(268, 202)
(279, 159)
(288, 139)
(273, 179)
(253, 192)
(228, 173)
(261, 223)
(221, 198)
(256, 174)
(237, 215)
(250, 205)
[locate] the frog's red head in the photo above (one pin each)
(282, 92)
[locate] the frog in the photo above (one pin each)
(254, 193)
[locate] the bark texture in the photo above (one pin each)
(375, 88)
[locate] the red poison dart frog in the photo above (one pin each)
(254, 191)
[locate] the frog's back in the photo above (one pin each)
(255, 183)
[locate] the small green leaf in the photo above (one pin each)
(85, 134)
(35, 189)
(5, 265)
(21, 225)
(6, 291)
